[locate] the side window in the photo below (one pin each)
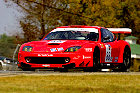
(93, 36)
(110, 35)
(106, 35)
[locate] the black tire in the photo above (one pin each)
(96, 59)
(126, 60)
(1, 66)
(96, 62)
(63, 70)
(28, 69)
(87, 69)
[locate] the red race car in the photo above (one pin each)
(88, 47)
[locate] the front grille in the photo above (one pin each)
(46, 60)
(53, 44)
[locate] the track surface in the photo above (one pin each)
(77, 73)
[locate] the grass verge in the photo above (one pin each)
(70, 84)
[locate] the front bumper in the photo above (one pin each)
(8, 67)
(76, 60)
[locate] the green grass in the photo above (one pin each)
(70, 84)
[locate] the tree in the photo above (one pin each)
(106, 13)
(40, 16)
(7, 45)
(44, 15)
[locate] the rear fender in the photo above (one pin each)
(123, 45)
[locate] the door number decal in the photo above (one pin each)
(108, 57)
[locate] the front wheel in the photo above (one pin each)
(96, 59)
(28, 69)
(96, 62)
(63, 70)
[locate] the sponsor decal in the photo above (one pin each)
(88, 49)
(60, 49)
(56, 49)
(86, 57)
(102, 45)
(53, 50)
(116, 59)
(108, 57)
(56, 41)
(46, 65)
(76, 57)
(45, 55)
(109, 46)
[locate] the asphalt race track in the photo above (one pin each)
(15, 73)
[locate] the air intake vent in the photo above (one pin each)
(53, 44)
(47, 60)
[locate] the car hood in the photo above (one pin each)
(55, 45)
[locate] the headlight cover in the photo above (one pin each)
(6, 61)
(27, 48)
(72, 49)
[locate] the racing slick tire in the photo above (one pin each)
(28, 69)
(1, 66)
(96, 59)
(64, 70)
(126, 60)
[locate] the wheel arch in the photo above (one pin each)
(127, 47)
(123, 46)
(97, 48)
(96, 58)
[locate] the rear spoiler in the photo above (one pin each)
(120, 30)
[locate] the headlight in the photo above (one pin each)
(72, 49)
(6, 61)
(27, 48)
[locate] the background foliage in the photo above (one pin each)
(41, 16)
(7, 45)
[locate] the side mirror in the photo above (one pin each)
(40, 38)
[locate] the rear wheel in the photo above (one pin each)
(126, 60)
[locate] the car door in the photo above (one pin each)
(109, 47)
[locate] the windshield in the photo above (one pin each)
(72, 35)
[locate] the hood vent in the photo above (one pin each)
(53, 44)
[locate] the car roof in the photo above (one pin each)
(80, 26)
(77, 28)
(113, 30)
